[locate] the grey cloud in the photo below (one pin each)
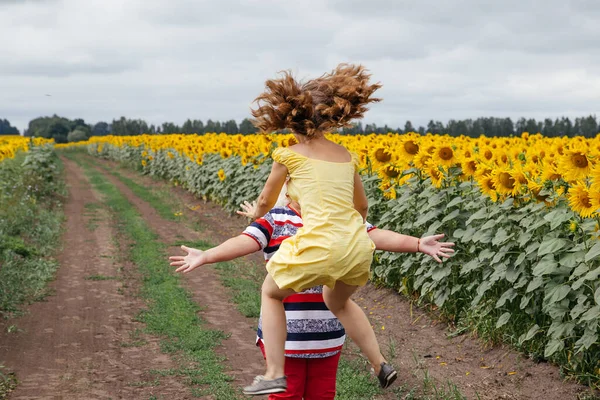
(176, 59)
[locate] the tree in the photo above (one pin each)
(7, 129)
(589, 126)
(128, 127)
(230, 127)
(548, 128)
(198, 126)
(57, 130)
(187, 127)
(78, 135)
(169, 127)
(211, 127)
(100, 129)
(246, 127)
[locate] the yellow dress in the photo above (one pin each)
(333, 244)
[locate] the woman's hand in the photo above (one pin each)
(247, 209)
(431, 246)
(192, 260)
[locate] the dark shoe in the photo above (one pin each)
(262, 386)
(387, 375)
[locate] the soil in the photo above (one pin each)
(74, 344)
(71, 345)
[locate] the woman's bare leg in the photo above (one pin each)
(355, 321)
(274, 327)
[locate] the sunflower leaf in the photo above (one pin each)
(593, 253)
(545, 266)
(551, 246)
(503, 319)
(553, 346)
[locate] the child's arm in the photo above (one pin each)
(238, 246)
(361, 204)
(391, 241)
(270, 193)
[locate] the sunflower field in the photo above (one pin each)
(523, 212)
(11, 145)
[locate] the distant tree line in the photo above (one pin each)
(7, 129)
(64, 130)
(584, 126)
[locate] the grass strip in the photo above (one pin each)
(160, 202)
(171, 311)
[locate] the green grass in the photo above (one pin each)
(159, 200)
(171, 311)
(8, 382)
(100, 278)
(92, 214)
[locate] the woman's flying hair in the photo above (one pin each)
(319, 105)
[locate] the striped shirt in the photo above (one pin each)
(312, 330)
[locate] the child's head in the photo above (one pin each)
(319, 105)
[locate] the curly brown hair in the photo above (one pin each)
(328, 102)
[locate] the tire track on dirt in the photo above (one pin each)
(243, 359)
(71, 345)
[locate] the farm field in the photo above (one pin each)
(119, 324)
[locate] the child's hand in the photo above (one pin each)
(431, 246)
(248, 209)
(189, 262)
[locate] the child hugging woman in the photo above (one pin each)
(332, 248)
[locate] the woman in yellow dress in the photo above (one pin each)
(333, 247)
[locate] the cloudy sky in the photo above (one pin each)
(169, 60)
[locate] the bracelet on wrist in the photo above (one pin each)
(419, 245)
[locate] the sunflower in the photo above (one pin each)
(382, 154)
(387, 187)
(226, 153)
(390, 171)
(434, 173)
(408, 147)
(486, 153)
(422, 159)
(535, 188)
(390, 194)
(580, 200)
(574, 164)
(469, 166)
(550, 172)
(595, 200)
(595, 175)
(519, 174)
(443, 155)
(487, 187)
(504, 181)
(502, 158)
(221, 175)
